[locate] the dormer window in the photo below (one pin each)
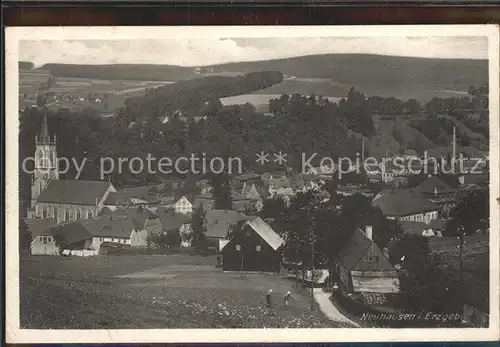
(238, 247)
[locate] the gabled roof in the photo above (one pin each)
(352, 255)
(259, 188)
(218, 222)
(40, 227)
(116, 198)
(137, 215)
(433, 185)
(402, 202)
(74, 192)
(70, 233)
(266, 232)
(104, 226)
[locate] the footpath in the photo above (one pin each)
(329, 309)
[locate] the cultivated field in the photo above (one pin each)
(112, 93)
(174, 291)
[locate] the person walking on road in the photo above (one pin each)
(287, 298)
(269, 297)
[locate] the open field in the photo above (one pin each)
(174, 291)
(113, 93)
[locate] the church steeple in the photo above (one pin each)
(46, 165)
(44, 137)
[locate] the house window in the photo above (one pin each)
(44, 240)
(238, 247)
(373, 258)
(258, 248)
(49, 239)
(45, 213)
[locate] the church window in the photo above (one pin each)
(67, 216)
(78, 214)
(44, 240)
(45, 213)
(89, 214)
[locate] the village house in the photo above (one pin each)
(253, 246)
(143, 218)
(42, 240)
(286, 185)
(256, 193)
(62, 200)
(219, 223)
(438, 192)
(238, 182)
(74, 239)
(365, 272)
(405, 205)
(239, 202)
(183, 205)
(180, 223)
(88, 235)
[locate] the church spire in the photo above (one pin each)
(44, 133)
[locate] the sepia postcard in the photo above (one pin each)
(252, 184)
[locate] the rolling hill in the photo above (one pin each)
(404, 77)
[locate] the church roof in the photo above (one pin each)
(74, 192)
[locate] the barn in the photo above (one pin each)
(252, 246)
(42, 240)
(365, 272)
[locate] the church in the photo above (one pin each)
(61, 200)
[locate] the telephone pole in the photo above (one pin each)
(312, 270)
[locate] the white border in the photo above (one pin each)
(15, 335)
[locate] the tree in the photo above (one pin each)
(221, 190)
(199, 239)
(470, 215)
(41, 100)
(272, 208)
(426, 284)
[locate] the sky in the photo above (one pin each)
(215, 51)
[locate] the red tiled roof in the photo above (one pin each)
(74, 192)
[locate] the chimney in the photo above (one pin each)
(369, 232)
